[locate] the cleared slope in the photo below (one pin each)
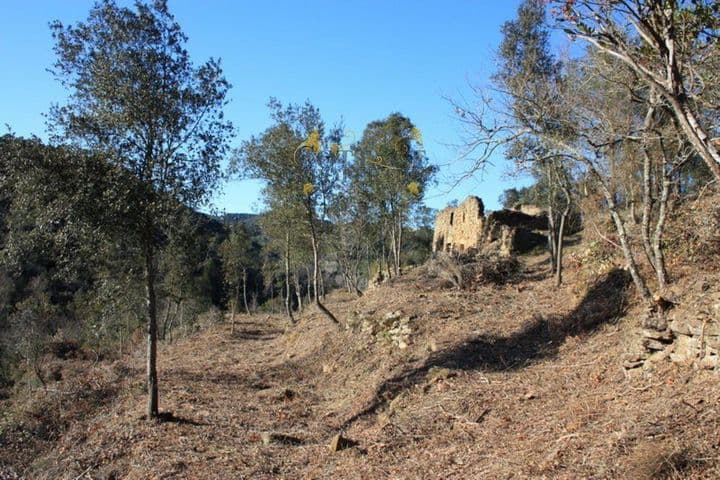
(510, 381)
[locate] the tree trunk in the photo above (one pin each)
(398, 256)
(699, 139)
(632, 265)
(647, 210)
(298, 292)
(309, 285)
(288, 307)
(316, 267)
(561, 239)
(660, 270)
(232, 316)
(552, 241)
(166, 319)
(244, 283)
(151, 303)
(171, 321)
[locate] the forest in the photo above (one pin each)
(110, 245)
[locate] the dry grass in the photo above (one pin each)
(505, 381)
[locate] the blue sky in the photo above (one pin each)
(357, 61)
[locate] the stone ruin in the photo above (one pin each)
(466, 228)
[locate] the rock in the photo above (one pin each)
(680, 327)
(402, 345)
(393, 315)
(679, 359)
(629, 365)
(269, 438)
(432, 345)
(656, 357)
(341, 443)
(655, 322)
(709, 362)
(687, 347)
(695, 327)
(530, 396)
(664, 335)
(651, 344)
(438, 373)
(712, 344)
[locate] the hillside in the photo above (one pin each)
(517, 380)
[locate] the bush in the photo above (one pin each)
(466, 272)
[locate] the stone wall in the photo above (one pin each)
(689, 336)
(460, 228)
(466, 227)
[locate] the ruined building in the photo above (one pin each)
(467, 228)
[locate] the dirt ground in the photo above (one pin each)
(504, 381)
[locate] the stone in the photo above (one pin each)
(709, 362)
(680, 359)
(680, 327)
(656, 357)
(269, 438)
(651, 344)
(339, 442)
(687, 347)
(629, 365)
(655, 322)
(432, 345)
(530, 396)
(665, 335)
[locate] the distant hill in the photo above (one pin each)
(233, 218)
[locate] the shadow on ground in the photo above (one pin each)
(256, 334)
(170, 417)
(541, 338)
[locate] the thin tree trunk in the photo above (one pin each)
(233, 305)
(619, 224)
(699, 139)
(298, 292)
(322, 284)
(181, 315)
(561, 238)
(244, 284)
(166, 319)
(647, 210)
(398, 256)
(309, 285)
(660, 270)
(288, 307)
(151, 303)
(632, 265)
(171, 321)
(316, 266)
(552, 241)
(232, 316)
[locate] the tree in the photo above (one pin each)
(390, 174)
(672, 46)
(530, 78)
(236, 253)
(301, 177)
(136, 97)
